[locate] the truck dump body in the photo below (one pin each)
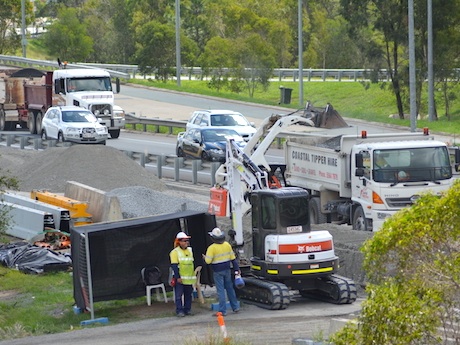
(24, 95)
(318, 163)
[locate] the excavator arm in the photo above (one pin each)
(240, 167)
(273, 125)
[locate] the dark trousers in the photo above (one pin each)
(185, 291)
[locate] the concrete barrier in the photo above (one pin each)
(102, 207)
(27, 222)
(61, 215)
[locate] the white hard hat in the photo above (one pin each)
(182, 235)
(217, 234)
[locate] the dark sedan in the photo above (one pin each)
(206, 143)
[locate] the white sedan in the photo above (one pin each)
(227, 119)
(74, 124)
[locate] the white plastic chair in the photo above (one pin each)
(158, 287)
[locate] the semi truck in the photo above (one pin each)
(363, 179)
(26, 94)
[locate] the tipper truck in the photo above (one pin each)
(361, 180)
(26, 94)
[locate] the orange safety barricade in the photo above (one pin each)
(218, 201)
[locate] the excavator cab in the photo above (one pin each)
(278, 212)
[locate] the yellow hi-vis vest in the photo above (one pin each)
(186, 267)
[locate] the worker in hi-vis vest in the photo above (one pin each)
(184, 273)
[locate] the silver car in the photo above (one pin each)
(74, 124)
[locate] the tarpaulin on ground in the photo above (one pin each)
(32, 259)
(119, 250)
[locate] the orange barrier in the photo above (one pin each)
(218, 201)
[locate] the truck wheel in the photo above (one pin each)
(316, 216)
(38, 122)
(114, 133)
(31, 123)
(2, 120)
(359, 220)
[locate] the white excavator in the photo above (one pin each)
(286, 254)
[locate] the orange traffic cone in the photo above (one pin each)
(223, 329)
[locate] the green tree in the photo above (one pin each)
(109, 24)
(67, 38)
(195, 22)
(156, 49)
(389, 19)
(10, 23)
(255, 62)
(412, 264)
(215, 61)
(446, 39)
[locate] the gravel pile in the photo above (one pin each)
(98, 166)
(140, 192)
(141, 202)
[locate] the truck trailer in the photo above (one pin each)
(361, 180)
(26, 94)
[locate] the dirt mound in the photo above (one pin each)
(98, 166)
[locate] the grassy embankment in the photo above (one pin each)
(351, 99)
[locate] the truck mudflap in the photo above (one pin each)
(333, 289)
(264, 294)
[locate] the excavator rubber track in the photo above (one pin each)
(333, 289)
(264, 294)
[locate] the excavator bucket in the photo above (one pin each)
(326, 117)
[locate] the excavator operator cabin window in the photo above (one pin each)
(268, 211)
(294, 211)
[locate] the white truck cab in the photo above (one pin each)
(91, 89)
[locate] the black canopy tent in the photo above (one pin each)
(117, 251)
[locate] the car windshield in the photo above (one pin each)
(220, 135)
(229, 120)
(78, 116)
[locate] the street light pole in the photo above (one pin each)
(23, 28)
(178, 62)
(412, 90)
(300, 34)
(431, 109)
